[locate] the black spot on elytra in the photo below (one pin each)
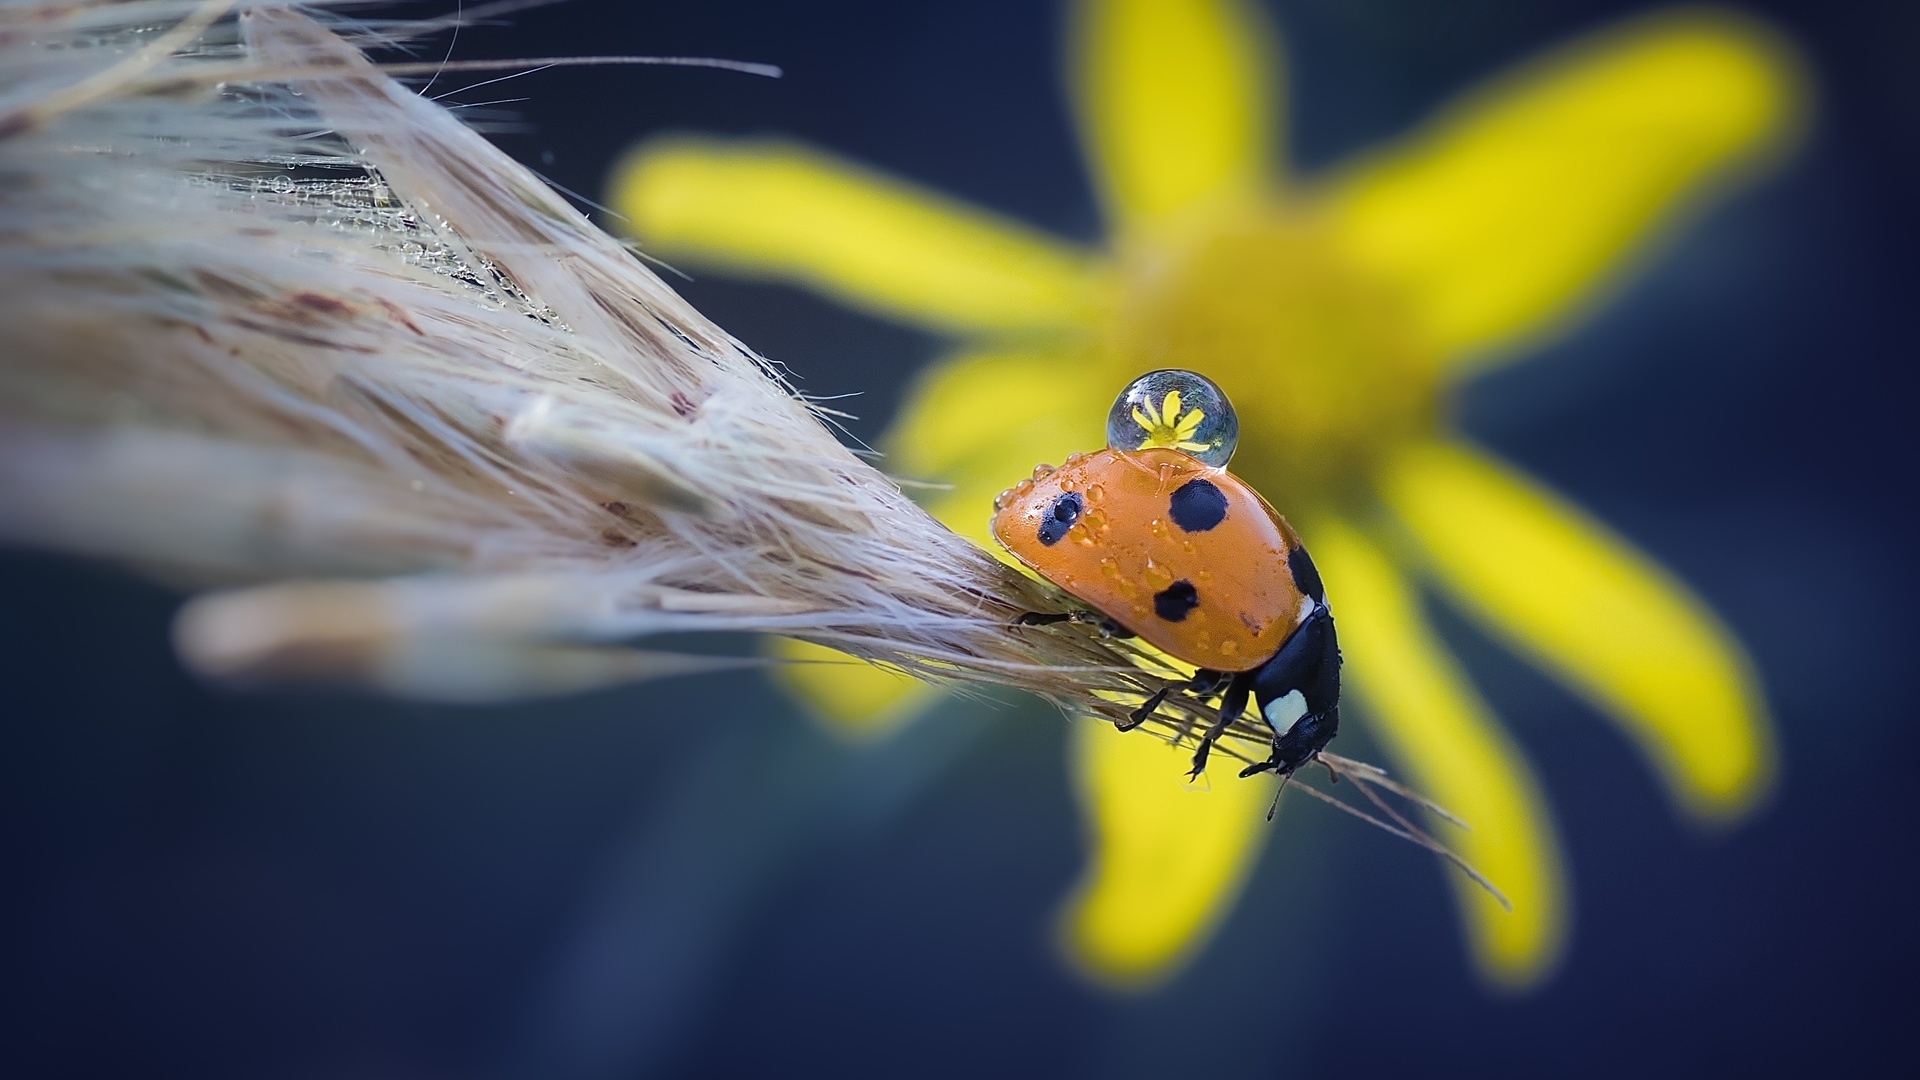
(1197, 506)
(1060, 517)
(1173, 602)
(1306, 576)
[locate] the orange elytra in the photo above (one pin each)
(1188, 557)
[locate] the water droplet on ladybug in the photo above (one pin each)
(1158, 577)
(1095, 493)
(1042, 471)
(1178, 409)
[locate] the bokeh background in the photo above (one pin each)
(687, 879)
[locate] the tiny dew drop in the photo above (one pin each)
(1177, 409)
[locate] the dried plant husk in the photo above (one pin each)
(281, 329)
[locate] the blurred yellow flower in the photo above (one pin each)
(1336, 312)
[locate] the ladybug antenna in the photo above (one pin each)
(1274, 807)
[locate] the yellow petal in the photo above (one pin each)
(1560, 587)
(1427, 717)
(1168, 857)
(1176, 102)
(979, 399)
(1518, 207)
(782, 212)
(855, 700)
(981, 420)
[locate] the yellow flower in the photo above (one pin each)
(1169, 427)
(1336, 312)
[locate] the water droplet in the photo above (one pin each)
(1177, 409)
(1042, 471)
(1158, 577)
(1095, 493)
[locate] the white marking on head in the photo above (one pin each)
(1281, 712)
(1306, 609)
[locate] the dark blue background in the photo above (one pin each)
(682, 880)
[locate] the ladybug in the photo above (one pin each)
(1167, 545)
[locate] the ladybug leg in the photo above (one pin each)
(1044, 618)
(1232, 704)
(1146, 709)
(1048, 618)
(1204, 683)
